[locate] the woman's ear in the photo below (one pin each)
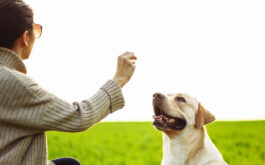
(203, 117)
(25, 38)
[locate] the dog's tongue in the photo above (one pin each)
(164, 119)
(175, 123)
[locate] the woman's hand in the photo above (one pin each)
(125, 68)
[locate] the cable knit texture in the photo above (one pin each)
(27, 111)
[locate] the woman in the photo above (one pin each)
(27, 110)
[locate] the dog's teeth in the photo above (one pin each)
(171, 120)
(159, 118)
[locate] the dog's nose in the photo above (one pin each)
(158, 95)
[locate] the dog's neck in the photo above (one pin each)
(184, 148)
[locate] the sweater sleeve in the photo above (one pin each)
(25, 104)
(62, 116)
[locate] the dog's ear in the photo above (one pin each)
(203, 117)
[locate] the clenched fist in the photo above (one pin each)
(125, 68)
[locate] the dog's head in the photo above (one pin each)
(177, 112)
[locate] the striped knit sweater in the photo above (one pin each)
(27, 111)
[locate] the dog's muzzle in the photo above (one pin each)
(161, 118)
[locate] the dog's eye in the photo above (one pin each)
(181, 99)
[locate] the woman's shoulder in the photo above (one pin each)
(12, 81)
(10, 77)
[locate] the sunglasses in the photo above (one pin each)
(37, 30)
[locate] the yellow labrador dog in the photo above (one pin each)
(185, 140)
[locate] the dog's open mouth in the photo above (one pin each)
(163, 120)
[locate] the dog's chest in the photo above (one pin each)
(172, 161)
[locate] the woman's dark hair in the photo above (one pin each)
(15, 18)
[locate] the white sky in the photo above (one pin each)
(213, 50)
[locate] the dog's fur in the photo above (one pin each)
(181, 118)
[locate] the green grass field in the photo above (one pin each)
(139, 143)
